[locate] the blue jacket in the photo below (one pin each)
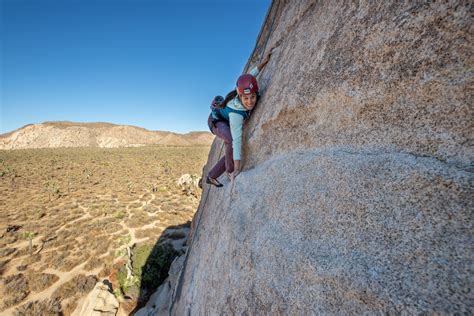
(235, 113)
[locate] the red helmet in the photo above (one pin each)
(247, 84)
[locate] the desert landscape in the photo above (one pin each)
(70, 217)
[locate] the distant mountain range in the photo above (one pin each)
(104, 135)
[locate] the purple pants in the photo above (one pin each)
(226, 163)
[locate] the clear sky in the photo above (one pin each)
(150, 63)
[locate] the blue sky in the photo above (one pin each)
(155, 64)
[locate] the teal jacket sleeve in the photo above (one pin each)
(236, 121)
(254, 72)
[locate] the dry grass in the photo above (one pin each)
(78, 204)
(40, 282)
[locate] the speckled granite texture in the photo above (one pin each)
(357, 191)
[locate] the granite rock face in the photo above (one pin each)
(357, 189)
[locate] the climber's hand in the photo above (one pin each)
(234, 174)
(265, 61)
(267, 58)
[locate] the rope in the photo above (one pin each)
(188, 251)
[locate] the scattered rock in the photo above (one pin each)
(13, 228)
(189, 184)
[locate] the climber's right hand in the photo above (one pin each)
(234, 174)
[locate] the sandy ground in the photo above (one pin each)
(112, 202)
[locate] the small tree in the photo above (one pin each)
(53, 189)
(69, 183)
(29, 235)
(130, 187)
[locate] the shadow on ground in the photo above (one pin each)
(152, 263)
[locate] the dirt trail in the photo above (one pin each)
(46, 294)
(64, 277)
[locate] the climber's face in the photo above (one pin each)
(248, 100)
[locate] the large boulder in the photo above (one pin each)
(356, 193)
(99, 302)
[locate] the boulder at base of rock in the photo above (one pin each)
(99, 302)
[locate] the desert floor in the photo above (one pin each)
(72, 216)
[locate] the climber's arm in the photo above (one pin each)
(256, 70)
(236, 121)
(264, 62)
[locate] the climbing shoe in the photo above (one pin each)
(214, 182)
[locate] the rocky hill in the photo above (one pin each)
(357, 191)
(106, 135)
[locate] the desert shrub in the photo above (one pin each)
(39, 282)
(93, 263)
(175, 204)
(146, 196)
(69, 305)
(150, 208)
(70, 263)
(31, 259)
(111, 228)
(80, 284)
(15, 289)
(4, 252)
(165, 207)
(120, 214)
(138, 220)
(72, 217)
(102, 245)
(135, 205)
(45, 307)
(59, 259)
(156, 202)
(61, 246)
(3, 265)
(8, 239)
(123, 240)
(64, 234)
(106, 271)
(150, 232)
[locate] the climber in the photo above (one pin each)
(226, 120)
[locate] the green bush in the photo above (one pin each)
(120, 214)
(152, 264)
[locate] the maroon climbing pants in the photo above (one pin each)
(222, 130)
